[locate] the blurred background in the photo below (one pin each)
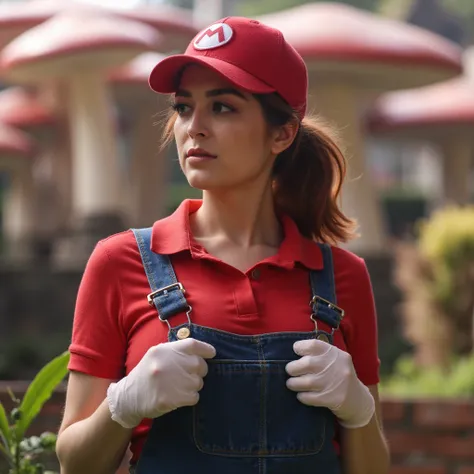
(80, 159)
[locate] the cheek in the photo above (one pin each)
(180, 134)
(242, 133)
(249, 144)
(180, 137)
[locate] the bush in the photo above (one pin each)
(436, 277)
(409, 380)
(23, 355)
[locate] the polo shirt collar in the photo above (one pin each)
(172, 235)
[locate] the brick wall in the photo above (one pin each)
(426, 437)
(430, 436)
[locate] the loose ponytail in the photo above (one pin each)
(308, 176)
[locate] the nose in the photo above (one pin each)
(197, 125)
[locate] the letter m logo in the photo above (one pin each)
(214, 36)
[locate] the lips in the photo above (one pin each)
(199, 153)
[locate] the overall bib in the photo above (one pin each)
(246, 421)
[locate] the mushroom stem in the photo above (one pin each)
(96, 178)
(18, 212)
(457, 155)
(338, 104)
(148, 168)
(63, 175)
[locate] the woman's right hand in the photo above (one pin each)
(169, 376)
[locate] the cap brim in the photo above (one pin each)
(163, 78)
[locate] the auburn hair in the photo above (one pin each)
(307, 176)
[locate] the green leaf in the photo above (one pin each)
(6, 454)
(5, 433)
(40, 391)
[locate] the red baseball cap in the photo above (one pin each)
(252, 56)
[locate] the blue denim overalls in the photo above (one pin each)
(246, 421)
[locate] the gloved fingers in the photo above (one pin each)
(192, 383)
(189, 399)
(310, 347)
(308, 365)
(198, 366)
(306, 383)
(313, 399)
(192, 346)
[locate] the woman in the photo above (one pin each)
(213, 342)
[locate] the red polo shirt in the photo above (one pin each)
(114, 325)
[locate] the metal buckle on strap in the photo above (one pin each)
(164, 290)
(330, 305)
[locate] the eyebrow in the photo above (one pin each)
(213, 93)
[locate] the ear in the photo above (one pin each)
(283, 137)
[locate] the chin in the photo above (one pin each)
(205, 181)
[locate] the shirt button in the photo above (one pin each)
(255, 275)
(183, 333)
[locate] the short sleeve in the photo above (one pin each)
(355, 295)
(98, 345)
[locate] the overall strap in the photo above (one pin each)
(167, 294)
(323, 302)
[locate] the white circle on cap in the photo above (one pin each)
(213, 37)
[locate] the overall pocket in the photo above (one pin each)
(245, 409)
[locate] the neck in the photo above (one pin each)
(245, 217)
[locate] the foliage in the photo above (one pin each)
(436, 277)
(182, 3)
(463, 10)
(24, 354)
(409, 380)
(23, 453)
(394, 8)
(447, 242)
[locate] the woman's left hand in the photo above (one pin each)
(324, 376)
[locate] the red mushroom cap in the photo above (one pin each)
(20, 108)
(426, 112)
(176, 24)
(129, 83)
(18, 17)
(138, 70)
(15, 143)
(74, 42)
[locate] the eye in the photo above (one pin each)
(180, 108)
(219, 108)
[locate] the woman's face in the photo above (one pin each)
(222, 138)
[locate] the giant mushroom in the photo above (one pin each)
(352, 56)
(27, 110)
(78, 48)
(17, 150)
(16, 17)
(442, 114)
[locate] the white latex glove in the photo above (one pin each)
(325, 377)
(169, 376)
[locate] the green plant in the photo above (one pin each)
(409, 380)
(23, 453)
(436, 276)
